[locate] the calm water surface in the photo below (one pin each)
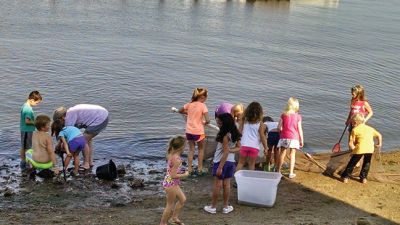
(139, 58)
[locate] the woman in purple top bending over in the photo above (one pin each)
(93, 118)
(236, 110)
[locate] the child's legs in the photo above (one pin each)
(26, 143)
(292, 160)
(365, 166)
(216, 189)
(282, 158)
(86, 160)
(89, 139)
(178, 206)
(171, 196)
(242, 160)
(227, 191)
(22, 154)
(201, 145)
(191, 155)
(252, 162)
(350, 166)
(276, 154)
(269, 154)
(66, 161)
(76, 161)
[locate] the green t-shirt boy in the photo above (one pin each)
(27, 124)
(27, 114)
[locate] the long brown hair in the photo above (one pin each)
(175, 143)
(359, 92)
(253, 113)
(56, 127)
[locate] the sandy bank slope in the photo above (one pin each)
(308, 199)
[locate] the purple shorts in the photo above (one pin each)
(195, 137)
(77, 144)
(227, 171)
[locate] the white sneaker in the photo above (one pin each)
(210, 209)
(292, 175)
(227, 209)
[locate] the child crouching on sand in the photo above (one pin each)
(172, 181)
(73, 142)
(42, 156)
(272, 142)
(228, 139)
(361, 143)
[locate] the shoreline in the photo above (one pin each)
(310, 198)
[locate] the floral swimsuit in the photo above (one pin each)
(168, 180)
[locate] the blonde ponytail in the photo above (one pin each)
(198, 92)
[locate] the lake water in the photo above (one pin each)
(139, 58)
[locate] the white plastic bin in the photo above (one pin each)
(257, 187)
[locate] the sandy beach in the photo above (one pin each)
(310, 198)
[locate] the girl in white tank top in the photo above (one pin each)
(253, 135)
(250, 135)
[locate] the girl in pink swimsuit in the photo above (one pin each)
(359, 104)
(172, 181)
(168, 180)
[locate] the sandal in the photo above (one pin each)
(175, 222)
(201, 174)
(193, 174)
(73, 174)
(83, 169)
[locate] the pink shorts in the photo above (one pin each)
(248, 152)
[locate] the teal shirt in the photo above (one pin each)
(27, 112)
(69, 133)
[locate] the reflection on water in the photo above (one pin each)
(280, 5)
(285, 4)
(318, 3)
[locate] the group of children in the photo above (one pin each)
(246, 130)
(37, 150)
(243, 130)
(240, 130)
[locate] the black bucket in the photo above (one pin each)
(107, 171)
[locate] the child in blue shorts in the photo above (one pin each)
(272, 142)
(224, 167)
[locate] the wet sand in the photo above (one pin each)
(310, 198)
